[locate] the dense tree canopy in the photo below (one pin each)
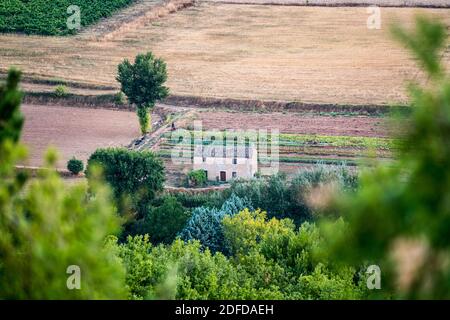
(164, 222)
(133, 175)
(143, 84)
(271, 260)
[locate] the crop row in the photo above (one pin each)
(50, 17)
(302, 140)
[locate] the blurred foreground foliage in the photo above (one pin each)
(47, 226)
(399, 218)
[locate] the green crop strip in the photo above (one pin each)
(49, 17)
(300, 140)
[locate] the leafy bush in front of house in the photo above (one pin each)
(133, 175)
(75, 166)
(196, 178)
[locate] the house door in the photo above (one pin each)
(223, 176)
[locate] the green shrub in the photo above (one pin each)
(196, 178)
(163, 223)
(61, 90)
(120, 99)
(75, 166)
(133, 175)
(212, 199)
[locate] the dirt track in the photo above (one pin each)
(74, 131)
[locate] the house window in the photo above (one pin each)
(234, 161)
(234, 175)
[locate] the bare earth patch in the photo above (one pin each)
(287, 53)
(361, 126)
(75, 131)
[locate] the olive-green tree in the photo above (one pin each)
(135, 177)
(143, 84)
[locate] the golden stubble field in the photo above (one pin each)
(290, 53)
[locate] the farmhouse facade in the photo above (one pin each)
(226, 163)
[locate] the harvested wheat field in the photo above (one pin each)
(288, 53)
(74, 131)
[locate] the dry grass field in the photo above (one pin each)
(289, 53)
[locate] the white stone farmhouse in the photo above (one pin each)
(227, 162)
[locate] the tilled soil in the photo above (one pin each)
(364, 126)
(74, 131)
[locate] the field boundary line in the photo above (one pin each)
(349, 4)
(107, 101)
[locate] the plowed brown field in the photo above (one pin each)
(75, 131)
(361, 126)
